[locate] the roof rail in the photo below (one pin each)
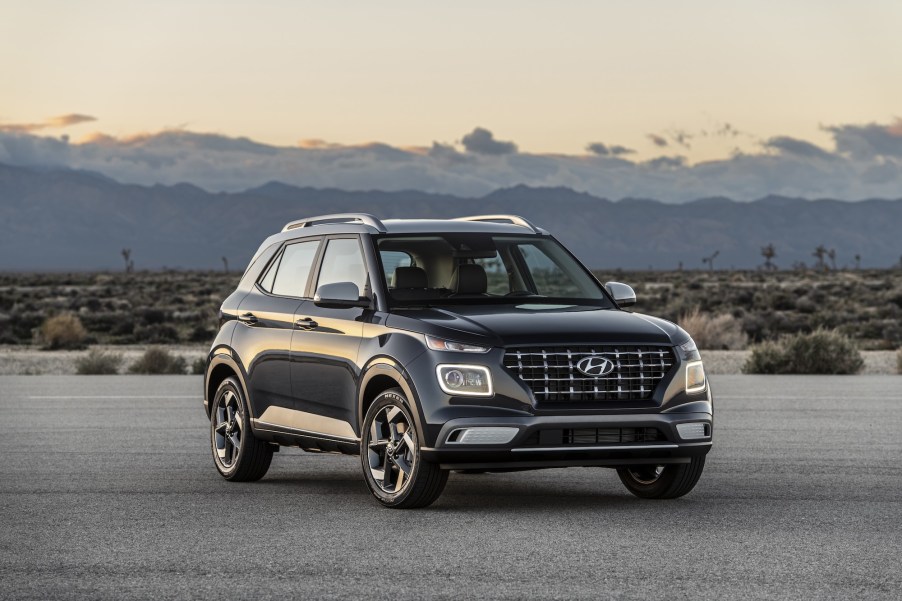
(364, 218)
(514, 219)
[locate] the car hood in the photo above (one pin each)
(534, 324)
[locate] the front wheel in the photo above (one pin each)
(390, 456)
(662, 481)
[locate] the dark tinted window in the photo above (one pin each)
(293, 268)
(483, 268)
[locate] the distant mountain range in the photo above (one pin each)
(54, 219)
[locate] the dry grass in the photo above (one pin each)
(156, 360)
(721, 332)
(62, 332)
(98, 362)
(821, 352)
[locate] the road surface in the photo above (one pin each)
(107, 490)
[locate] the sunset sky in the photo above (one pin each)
(707, 76)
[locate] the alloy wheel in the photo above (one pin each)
(227, 426)
(391, 449)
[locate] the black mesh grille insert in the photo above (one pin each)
(594, 436)
(552, 374)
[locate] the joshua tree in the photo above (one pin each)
(820, 252)
(769, 252)
(857, 261)
(710, 260)
(225, 264)
(832, 254)
(129, 264)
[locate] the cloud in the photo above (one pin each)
(70, 119)
(869, 141)
(50, 123)
(603, 150)
(666, 162)
(482, 141)
(682, 138)
(864, 162)
(794, 146)
(657, 140)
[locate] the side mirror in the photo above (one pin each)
(339, 294)
(623, 294)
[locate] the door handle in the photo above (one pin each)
(248, 318)
(305, 324)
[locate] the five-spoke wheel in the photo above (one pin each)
(390, 456)
(237, 453)
(392, 449)
(227, 420)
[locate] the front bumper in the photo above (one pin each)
(538, 444)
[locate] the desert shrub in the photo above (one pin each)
(63, 331)
(98, 362)
(123, 327)
(156, 334)
(153, 316)
(818, 352)
(199, 366)
(723, 332)
(157, 360)
(201, 334)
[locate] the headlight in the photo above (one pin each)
(690, 351)
(437, 344)
(465, 380)
(695, 376)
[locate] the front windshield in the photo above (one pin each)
(439, 269)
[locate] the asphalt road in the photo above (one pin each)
(107, 490)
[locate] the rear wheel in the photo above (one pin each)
(662, 481)
(390, 456)
(237, 453)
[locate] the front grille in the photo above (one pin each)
(593, 436)
(552, 375)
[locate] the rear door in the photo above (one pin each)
(325, 344)
(266, 322)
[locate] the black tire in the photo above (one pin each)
(247, 461)
(662, 481)
(390, 456)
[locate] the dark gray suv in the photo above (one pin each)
(426, 346)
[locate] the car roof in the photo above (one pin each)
(426, 226)
(363, 223)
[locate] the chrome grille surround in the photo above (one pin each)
(551, 373)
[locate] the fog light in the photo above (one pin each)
(465, 380)
(695, 376)
(485, 435)
(692, 431)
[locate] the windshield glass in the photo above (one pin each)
(436, 269)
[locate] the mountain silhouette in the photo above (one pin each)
(56, 219)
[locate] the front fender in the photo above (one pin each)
(388, 367)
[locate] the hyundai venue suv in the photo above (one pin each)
(426, 346)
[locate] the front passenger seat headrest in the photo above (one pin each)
(409, 277)
(471, 279)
